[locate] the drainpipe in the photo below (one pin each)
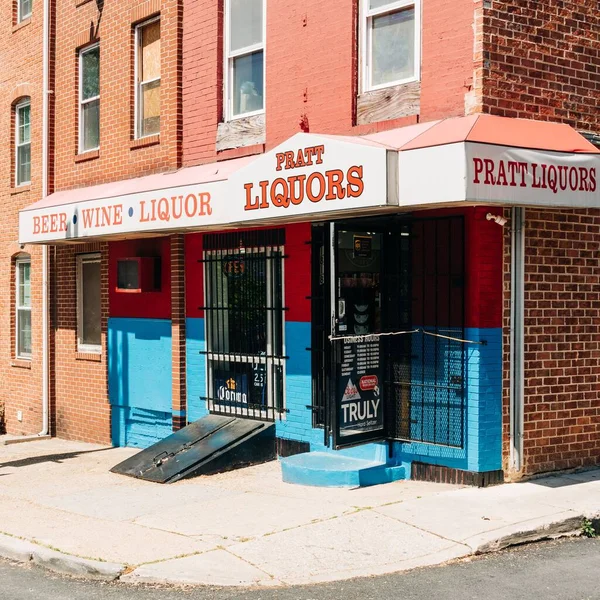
(517, 343)
(45, 129)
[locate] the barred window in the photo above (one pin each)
(245, 323)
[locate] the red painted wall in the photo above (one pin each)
(296, 274)
(145, 305)
(483, 248)
(312, 69)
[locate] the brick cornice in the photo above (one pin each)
(21, 91)
(145, 10)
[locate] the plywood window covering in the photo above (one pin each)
(391, 40)
(148, 78)
(244, 52)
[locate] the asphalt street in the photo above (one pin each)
(560, 570)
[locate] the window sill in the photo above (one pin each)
(22, 24)
(21, 363)
(89, 356)
(20, 189)
(240, 152)
(149, 140)
(388, 103)
(85, 156)
(247, 131)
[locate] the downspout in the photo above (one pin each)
(45, 128)
(517, 337)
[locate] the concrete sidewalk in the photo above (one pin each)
(61, 508)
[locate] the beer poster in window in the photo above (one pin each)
(231, 389)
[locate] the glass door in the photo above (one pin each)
(358, 414)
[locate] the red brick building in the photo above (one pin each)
(140, 90)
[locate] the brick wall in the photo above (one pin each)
(543, 61)
(20, 76)
(79, 391)
(120, 156)
(562, 349)
(311, 60)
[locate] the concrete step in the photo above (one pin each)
(333, 469)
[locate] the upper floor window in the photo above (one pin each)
(22, 143)
(23, 307)
(390, 43)
(244, 50)
(89, 99)
(147, 66)
(23, 10)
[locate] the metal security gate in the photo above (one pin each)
(425, 370)
(245, 345)
(395, 342)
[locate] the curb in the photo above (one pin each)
(25, 552)
(565, 528)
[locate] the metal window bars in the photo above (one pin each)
(245, 341)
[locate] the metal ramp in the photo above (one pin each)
(210, 445)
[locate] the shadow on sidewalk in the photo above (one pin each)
(567, 479)
(55, 458)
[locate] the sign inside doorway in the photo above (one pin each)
(363, 246)
(361, 407)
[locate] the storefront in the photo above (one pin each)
(347, 289)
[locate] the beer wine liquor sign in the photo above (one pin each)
(305, 176)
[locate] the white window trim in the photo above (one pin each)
(18, 308)
(82, 102)
(20, 17)
(81, 259)
(18, 145)
(365, 42)
(228, 65)
(138, 83)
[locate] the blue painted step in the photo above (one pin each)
(332, 469)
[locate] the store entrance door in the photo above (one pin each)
(356, 309)
(388, 330)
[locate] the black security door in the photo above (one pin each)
(358, 255)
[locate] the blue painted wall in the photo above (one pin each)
(297, 423)
(482, 449)
(195, 369)
(139, 380)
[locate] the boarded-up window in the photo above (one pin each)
(148, 78)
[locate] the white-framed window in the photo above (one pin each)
(23, 307)
(391, 42)
(23, 9)
(147, 77)
(89, 98)
(88, 303)
(23, 143)
(244, 58)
